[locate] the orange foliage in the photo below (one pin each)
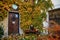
(54, 31)
(55, 27)
(29, 10)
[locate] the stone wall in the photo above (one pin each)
(5, 26)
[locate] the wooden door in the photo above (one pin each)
(13, 23)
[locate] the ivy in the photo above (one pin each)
(30, 11)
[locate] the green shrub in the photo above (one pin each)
(1, 31)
